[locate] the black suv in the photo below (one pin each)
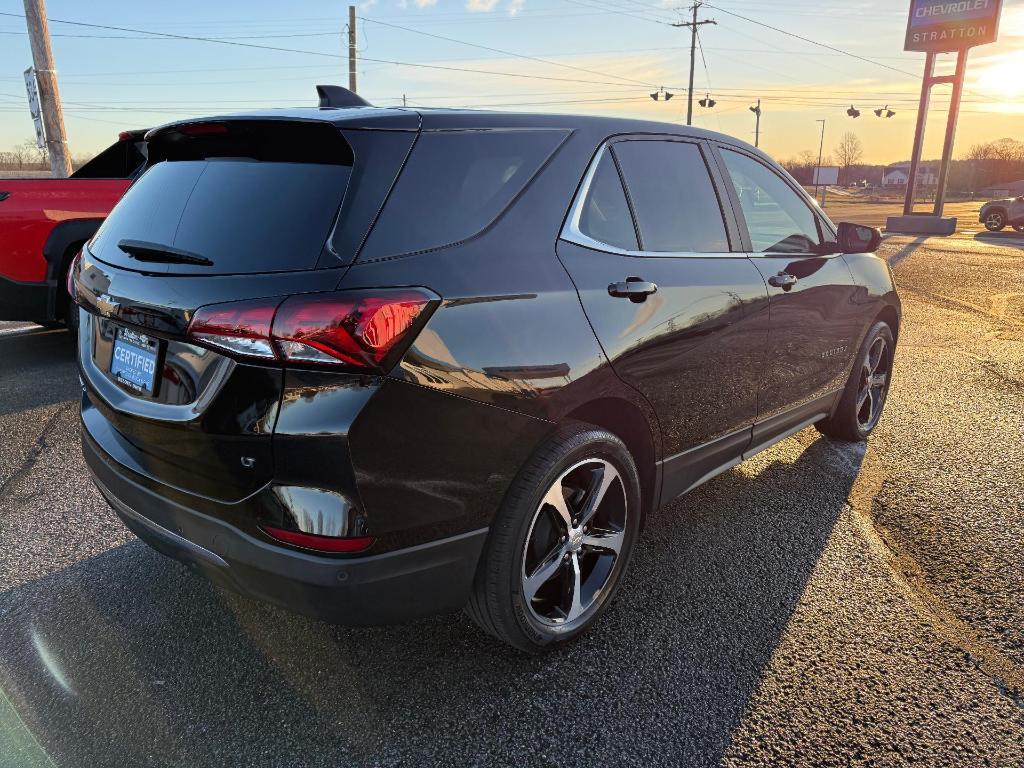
(372, 364)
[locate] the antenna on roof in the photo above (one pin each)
(334, 96)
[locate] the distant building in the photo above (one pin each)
(1007, 189)
(898, 174)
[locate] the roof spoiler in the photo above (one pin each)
(334, 96)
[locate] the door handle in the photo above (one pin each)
(636, 289)
(4, 196)
(783, 280)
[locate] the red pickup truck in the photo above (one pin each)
(44, 222)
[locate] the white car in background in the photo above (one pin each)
(998, 213)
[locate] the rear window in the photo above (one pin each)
(454, 185)
(233, 202)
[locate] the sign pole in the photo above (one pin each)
(922, 119)
(934, 27)
(947, 146)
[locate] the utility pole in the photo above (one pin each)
(693, 51)
(46, 82)
(351, 48)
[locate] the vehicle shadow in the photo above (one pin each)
(45, 357)
(1008, 239)
(126, 658)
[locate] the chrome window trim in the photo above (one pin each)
(572, 233)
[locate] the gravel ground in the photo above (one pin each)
(820, 604)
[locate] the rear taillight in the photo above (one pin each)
(355, 329)
(319, 543)
(240, 327)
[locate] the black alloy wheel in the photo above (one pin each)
(863, 400)
(560, 542)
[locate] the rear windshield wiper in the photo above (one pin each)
(164, 254)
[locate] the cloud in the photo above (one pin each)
(424, 3)
(480, 6)
(515, 6)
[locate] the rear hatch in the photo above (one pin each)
(230, 211)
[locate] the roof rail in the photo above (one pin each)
(336, 96)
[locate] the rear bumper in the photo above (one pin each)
(396, 586)
(25, 301)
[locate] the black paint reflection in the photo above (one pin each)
(695, 348)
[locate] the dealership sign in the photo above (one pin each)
(941, 26)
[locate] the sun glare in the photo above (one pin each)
(1004, 78)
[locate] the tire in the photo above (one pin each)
(72, 321)
(856, 417)
(567, 565)
(1018, 227)
(67, 311)
(995, 220)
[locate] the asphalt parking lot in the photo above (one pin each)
(820, 604)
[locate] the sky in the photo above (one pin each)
(588, 56)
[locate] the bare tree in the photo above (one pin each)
(18, 157)
(996, 162)
(849, 152)
(34, 153)
(802, 166)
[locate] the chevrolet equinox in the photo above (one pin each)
(373, 364)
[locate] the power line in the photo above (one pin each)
(198, 38)
(493, 72)
(707, 76)
(809, 40)
(619, 11)
(506, 53)
(173, 36)
(148, 35)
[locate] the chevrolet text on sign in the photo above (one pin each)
(939, 26)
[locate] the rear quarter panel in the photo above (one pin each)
(32, 209)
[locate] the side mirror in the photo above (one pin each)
(855, 238)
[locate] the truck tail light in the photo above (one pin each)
(70, 285)
(362, 330)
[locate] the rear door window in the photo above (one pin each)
(454, 185)
(673, 197)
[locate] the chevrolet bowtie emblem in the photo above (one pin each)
(106, 305)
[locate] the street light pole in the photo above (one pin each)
(757, 125)
(821, 149)
(352, 48)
